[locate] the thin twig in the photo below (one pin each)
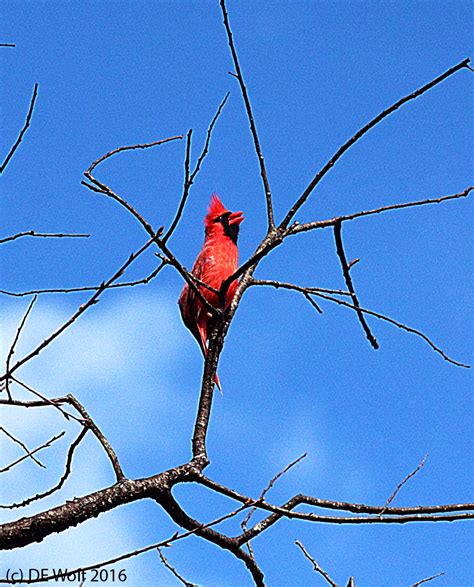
(318, 293)
(350, 286)
(23, 446)
(34, 451)
(205, 150)
(352, 263)
(102, 188)
(427, 579)
(356, 508)
(130, 148)
(46, 400)
(92, 300)
(248, 108)
(119, 474)
(360, 133)
(186, 187)
(316, 567)
(23, 130)
(57, 487)
(402, 483)
(33, 233)
(11, 352)
(7, 45)
(87, 422)
(189, 177)
(271, 484)
(170, 567)
(297, 228)
(67, 290)
(164, 543)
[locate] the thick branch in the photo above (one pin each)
(37, 527)
(180, 517)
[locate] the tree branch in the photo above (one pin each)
(23, 446)
(170, 567)
(296, 228)
(57, 487)
(360, 133)
(92, 300)
(46, 444)
(33, 233)
(317, 292)
(248, 108)
(190, 177)
(402, 483)
(23, 130)
(350, 286)
(316, 567)
(11, 352)
(67, 290)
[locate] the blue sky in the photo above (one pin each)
(118, 73)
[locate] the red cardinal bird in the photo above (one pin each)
(216, 262)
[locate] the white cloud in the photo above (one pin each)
(105, 359)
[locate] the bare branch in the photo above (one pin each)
(129, 148)
(186, 188)
(91, 425)
(416, 512)
(427, 579)
(11, 352)
(190, 177)
(44, 401)
(34, 451)
(87, 422)
(350, 286)
(360, 133)
(7, 45)
(320, 294)
(180, 578)
(33, 233)
(402, 483)
(205, 150)
(316, 567)
(23, 446)
(297, 228)
(248, 108)
(352, 263)
(271, 484)
(60, 483)
(101, 188)
(92, 300)
(67, 290)
(163, 544)
(23, 130)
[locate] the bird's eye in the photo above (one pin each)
(219, 219)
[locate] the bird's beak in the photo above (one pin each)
(236, 218)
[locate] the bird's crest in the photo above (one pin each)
(216, 208)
